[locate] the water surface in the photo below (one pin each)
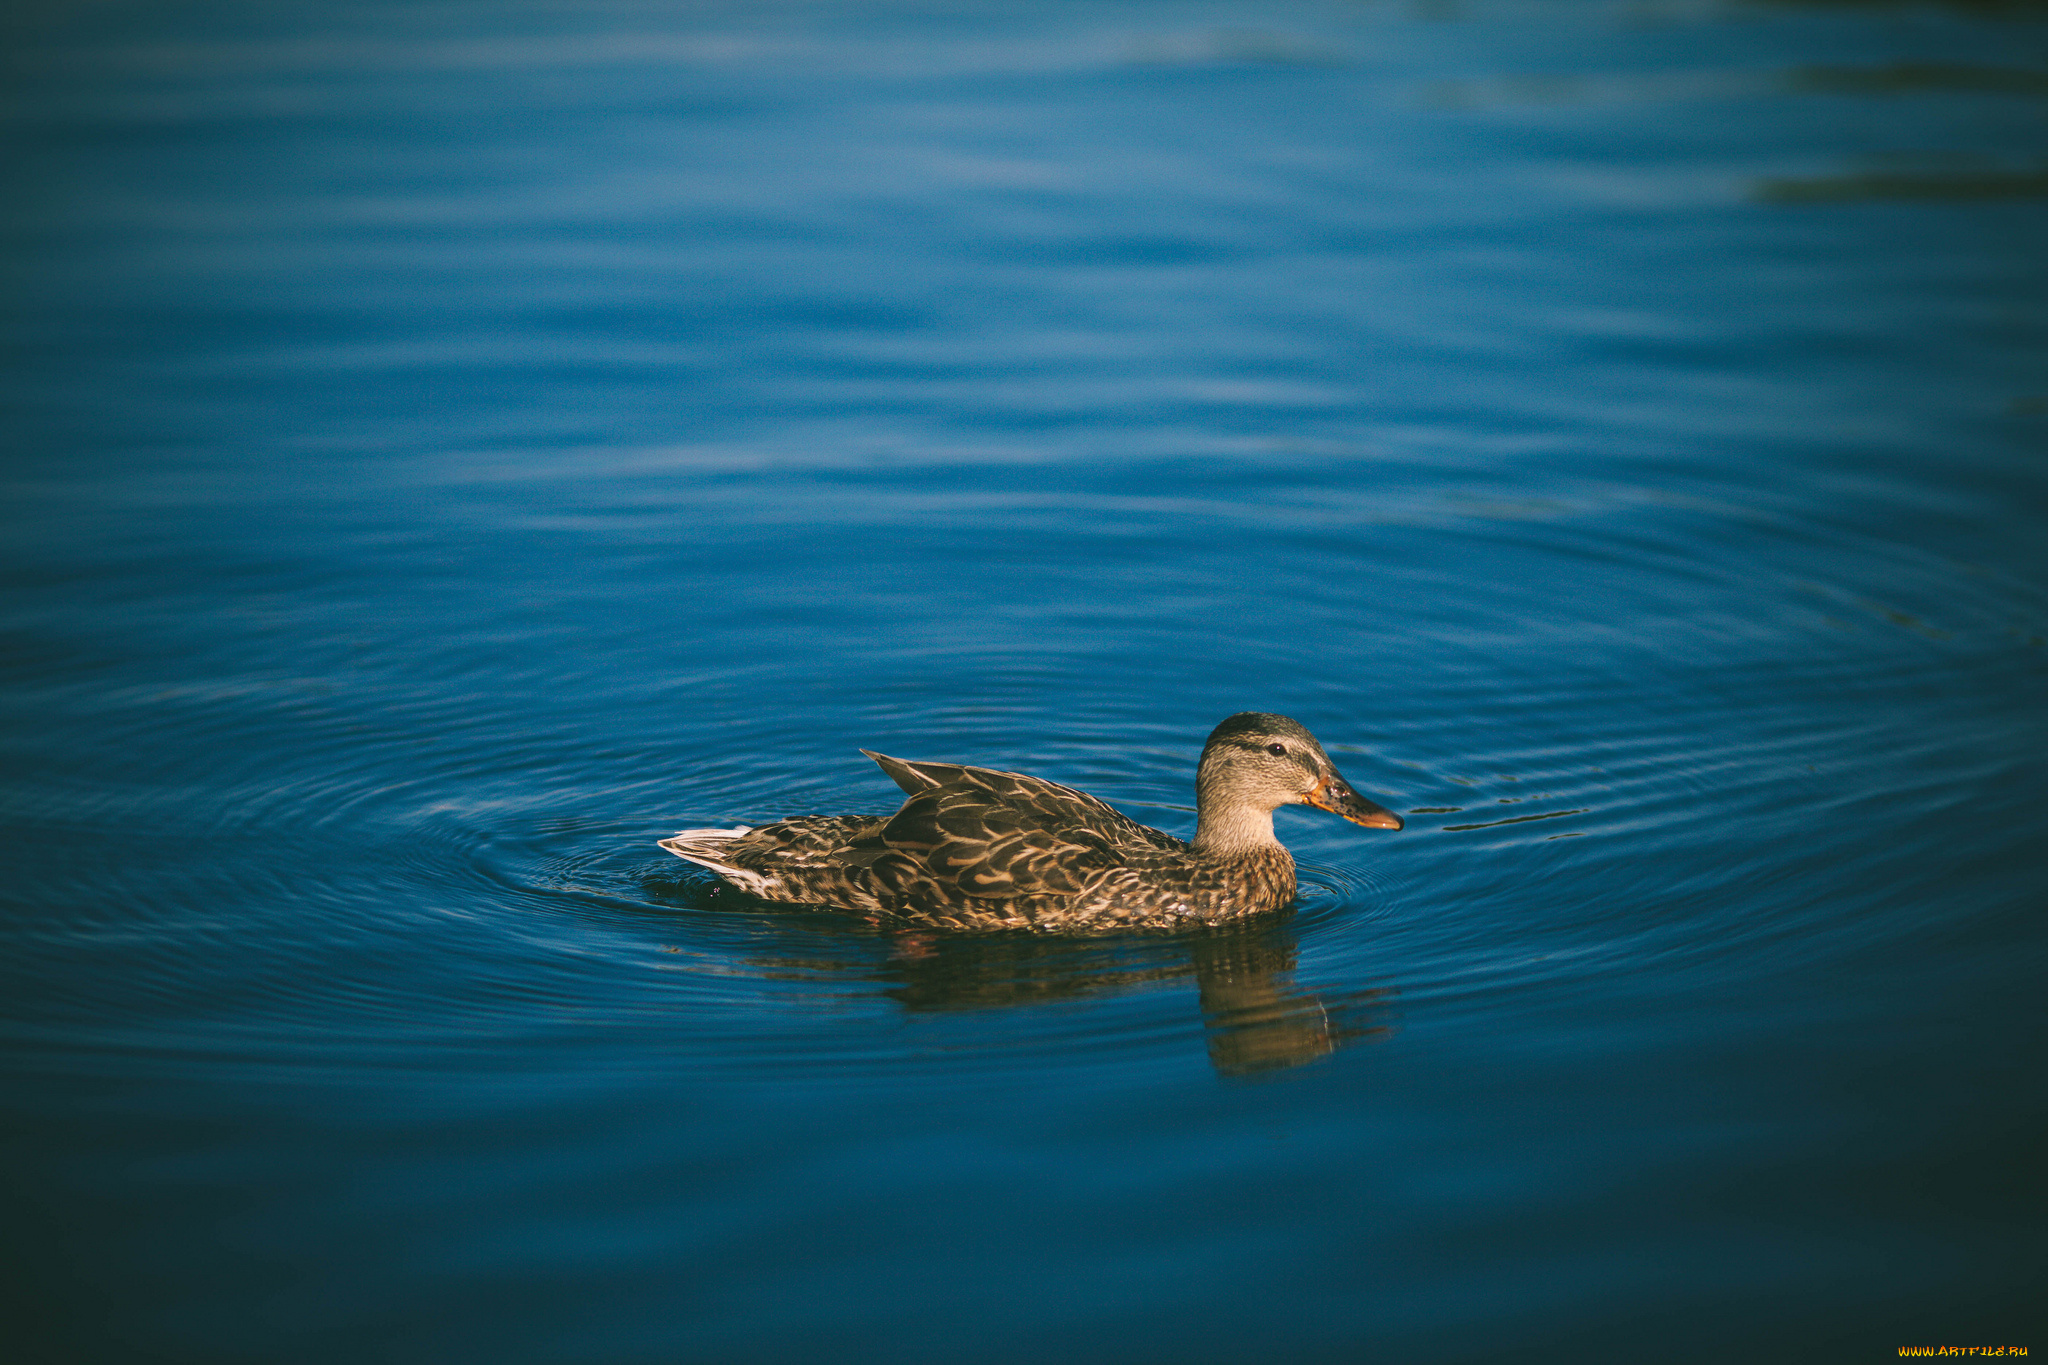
(453, 446)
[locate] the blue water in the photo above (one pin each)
(451, 446)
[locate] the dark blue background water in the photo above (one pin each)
(453, 445)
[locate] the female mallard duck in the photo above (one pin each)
(978, 849)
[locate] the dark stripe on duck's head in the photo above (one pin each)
(1246, 726)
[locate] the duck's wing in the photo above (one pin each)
(997, 836)
(915, 777)
(1056, 803)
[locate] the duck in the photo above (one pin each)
(975, 848)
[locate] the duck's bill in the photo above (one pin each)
(1337, 798)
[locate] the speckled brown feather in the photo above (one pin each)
(978, 848)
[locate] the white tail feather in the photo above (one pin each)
(706, 848)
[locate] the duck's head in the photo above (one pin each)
(1255, 761)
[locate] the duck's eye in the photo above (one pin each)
(1280, 749)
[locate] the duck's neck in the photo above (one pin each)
(1233, 832)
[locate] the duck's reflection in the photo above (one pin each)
(1257, 1019)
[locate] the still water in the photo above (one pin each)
(451, 446)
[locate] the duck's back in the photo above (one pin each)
(997, 834)
(979, 848)
(971, 845)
